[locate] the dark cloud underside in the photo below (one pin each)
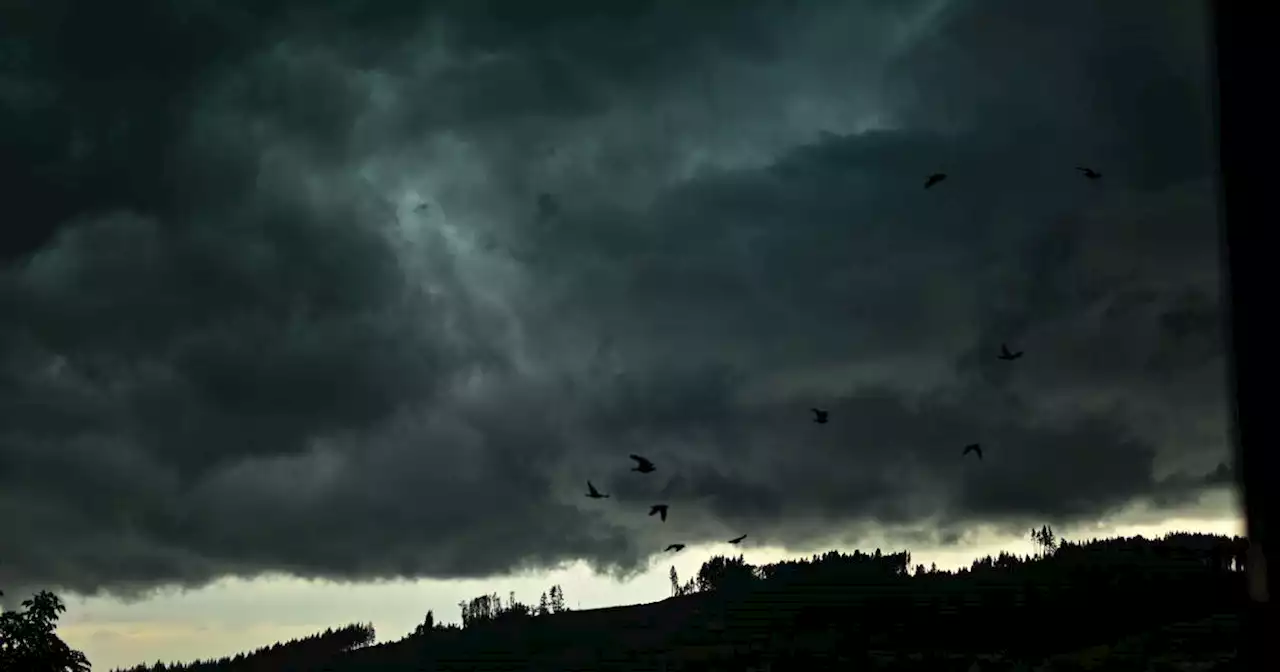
(284, 299)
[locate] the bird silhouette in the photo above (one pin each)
(819, 416)
(643, 465)
(1089, 172)
(675, 547)
(593, 493)
(934, 179)
(659, 509)
(972, 448)
(1006, 354)
(737, 540)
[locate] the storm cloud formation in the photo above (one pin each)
(235, 342)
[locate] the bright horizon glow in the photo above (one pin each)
(239, 615)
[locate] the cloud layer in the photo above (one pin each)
(286, 299)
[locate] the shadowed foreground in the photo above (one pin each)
(1116, 604)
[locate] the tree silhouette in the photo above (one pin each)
(831, 607)
(28, 640)
(480, 609)
(1044, 538)
(722, 573)
(297, 654)
(490, 608)
(427, 626)
(556, 599)
(514, 609)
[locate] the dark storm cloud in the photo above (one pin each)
(234, 343)
(97, 99)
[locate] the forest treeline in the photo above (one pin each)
(490, 608)
(297, 653)
(315, 651)
(1066, 596)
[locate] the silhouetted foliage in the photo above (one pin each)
(306, 653)
(725, 574)
(29, 642)
(556, 600)
(427, 626)
(490, 608)
(479, 609)
(842, 610)
(1045, 539)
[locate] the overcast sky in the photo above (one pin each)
(368, 293)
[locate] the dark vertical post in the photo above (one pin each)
(1244, 116)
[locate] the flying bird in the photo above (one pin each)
(1089, 172)
(659, 509)
(934, 179)
(1008, 355)
(737, 540)
(972, 448)
(593, 493)
(643, 465)
(675, 547)
(819, 416)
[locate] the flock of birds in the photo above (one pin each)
(645, 466)
(820, 416)
(938, 177)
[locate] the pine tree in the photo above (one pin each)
(427, 625)
(557, 599)
(1044, 538)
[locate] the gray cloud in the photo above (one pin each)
(236, 344)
